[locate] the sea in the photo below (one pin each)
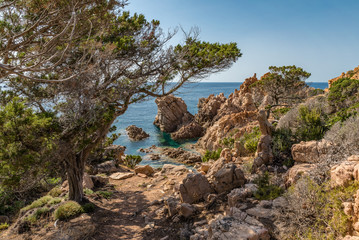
(143, 114)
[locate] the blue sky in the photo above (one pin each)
(322, 36)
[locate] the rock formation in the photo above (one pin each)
(208, 109)
(264, 149)
(352, 74)
(191, 130)
(310, 152)
(136, 133)
(172, 113)
(194, 188)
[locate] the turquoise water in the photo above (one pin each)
(143, 114)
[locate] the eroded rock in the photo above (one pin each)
(228, 178)
(136, 133)
(194, 188)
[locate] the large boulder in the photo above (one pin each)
(309, 152)
(296, 172)
(188, 131)
(342, 174)
(264, 152)
(194, 188)
(172, 113)
(147, 170)
(228, 178)
(136, 133)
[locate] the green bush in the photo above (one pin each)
(105, 194)
(88, 207)
(132, 160)
(54, 201)
(266, 190)
(312, 126)
(282, 141)
(214, 155)
(250, 140)
(40, 212)
(4, 226)
(227, 142)
(38, 203)
(88, 191)
(67, 210)
(315, 211)
(55, 192)
(344, 93)
(279, 112)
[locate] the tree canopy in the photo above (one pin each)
(285, 84)
(87, 61)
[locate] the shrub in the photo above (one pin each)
(88, 207)
(214, 155)
(282, 141)
(55, 201)
(55, 192)
(132, 160)
(266, 190)
(38, 203)
(4, 226)
(227, 142)
(279, 112)
(105, 194)
(250, 140)
(315, 211)
(67, 210)
(311, 124)
(344, 93)
(88, 191)
(40, 212)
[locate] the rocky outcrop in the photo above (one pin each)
(228, 178)
(310, 152)
(136, 133)
(172, 113)
(264, 149)
(189, 131)
(352, 74)
(208, 109)
(181, 155)
(146, 170)
(296, 172)
(194, 188)
(240, 122)
(343, 174)
(239, 225)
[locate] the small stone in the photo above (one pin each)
(147, 170)
(142, 175)
(186, 210)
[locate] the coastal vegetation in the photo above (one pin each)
(281, 159)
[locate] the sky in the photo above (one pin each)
(321, 36)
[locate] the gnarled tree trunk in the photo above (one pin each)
(75, 167)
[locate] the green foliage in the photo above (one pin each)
(55, 192)
(40, 212)
(284, 84)
(214, 155)
(67, 210)
(266, 190)
(279, 112)
(88, 191)
(319, 209)
(250, 140)
(132, 160)
(227, 142)
(311, 124)
(105, 194)
(54, 201)
(38, 203)
(88, 207)
(344, 92)
(282, 141)
(26, 139)
(4, 226)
